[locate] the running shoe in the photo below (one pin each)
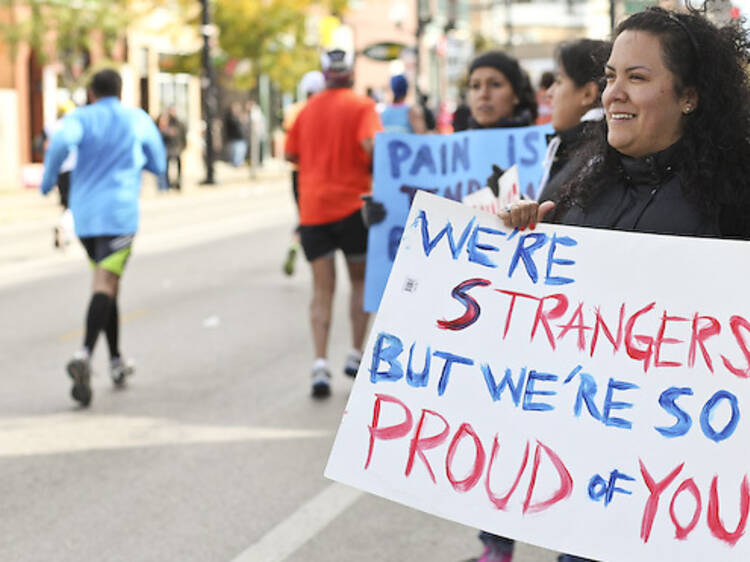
(79, 370)
(321, 385)
(352, 364)
(119, 369)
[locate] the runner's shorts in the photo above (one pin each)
(109, 252)
(348, 234)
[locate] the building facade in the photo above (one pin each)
(32, 86)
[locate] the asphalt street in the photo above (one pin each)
(215, 451)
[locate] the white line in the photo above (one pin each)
(312, 517)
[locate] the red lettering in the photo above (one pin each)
(737, 322)
(680, 532)
(545, 316)
(600, 322)
(566, 482)
(652, 504)
(513, 296)
(461, 293)
(420, 444)
(639, 354)
(714, 519)
(699, 336)
(479, 456)
(390, 432)
(501, 502)
(660, 340)
(576, 323)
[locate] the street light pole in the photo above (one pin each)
(207, 92)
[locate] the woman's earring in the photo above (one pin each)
(688, 109)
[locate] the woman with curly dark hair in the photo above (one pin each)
(674, 155)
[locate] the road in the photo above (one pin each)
(215, 451)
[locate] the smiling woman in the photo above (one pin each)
(673, 155)
(643, 108)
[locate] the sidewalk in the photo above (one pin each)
(28, 208)
(27, 218)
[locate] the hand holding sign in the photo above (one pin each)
(525, 213)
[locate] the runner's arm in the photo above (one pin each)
(63, 141)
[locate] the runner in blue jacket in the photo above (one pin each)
(114, 144)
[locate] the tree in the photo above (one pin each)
(271, 35)
(67, 30)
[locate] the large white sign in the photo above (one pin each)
(583, 390)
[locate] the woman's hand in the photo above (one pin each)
(525, 213)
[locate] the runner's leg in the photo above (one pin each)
(324, 284)
(104, 292)
(359, 318)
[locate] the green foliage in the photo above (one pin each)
(74, 25)
(271, 36)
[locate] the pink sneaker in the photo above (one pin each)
(491, 555)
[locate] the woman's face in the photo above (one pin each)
(491, 96)
(570, 101)
(644, 114)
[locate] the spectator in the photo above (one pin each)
(235, 134)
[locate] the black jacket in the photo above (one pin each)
(646, 196)
(567, 161)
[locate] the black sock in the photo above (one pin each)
(112, 330)
(96, 318)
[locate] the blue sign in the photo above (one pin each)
(451, 166)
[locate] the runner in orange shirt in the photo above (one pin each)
(331, 141)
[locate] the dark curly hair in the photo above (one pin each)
(715, 143)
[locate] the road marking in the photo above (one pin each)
(78, 333)
(302, 525)
(78, 431)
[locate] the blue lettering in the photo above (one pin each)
(460, 154)
(528, 396)
(454, 195)
(429, 245)
(586, 393)
(475, 256)
(450, 358)
(610, 405)
(599, 487)
(398, 152)
(524, 252)
(496, 390)
(551, 260)
(422, 159)
(612, 488)
(418, 379)
(387, 348)
(511, 150)
(707, 414)
(394, 240)
(682, 423)
(529, 140)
